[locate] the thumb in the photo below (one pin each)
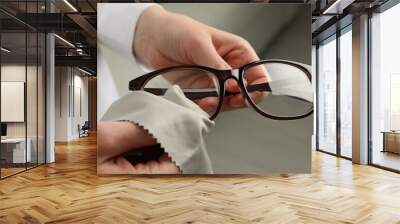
(206, 55)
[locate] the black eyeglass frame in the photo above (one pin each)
(222, 76)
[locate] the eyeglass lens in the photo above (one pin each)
(198, 85)
(288, 93)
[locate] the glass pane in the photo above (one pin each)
(345, 94)
(285, 92)
(198, 85)
(32, 90)
(327, 96)
(41, 98)
(13, 87)
(385, 84)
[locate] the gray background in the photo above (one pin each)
(243, 141)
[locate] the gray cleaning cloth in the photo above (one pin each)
(178, 125)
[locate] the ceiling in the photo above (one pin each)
(76, 22)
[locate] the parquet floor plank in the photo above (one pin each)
(69, 191)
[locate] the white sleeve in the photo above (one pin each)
(116, 24)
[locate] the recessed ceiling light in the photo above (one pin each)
(84, 71)
(337, 7)
(5, 50)
(70, 5)
(64, 40)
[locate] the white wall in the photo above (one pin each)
(80, 103)
(12, 73)
(69, 82)
(61, 103)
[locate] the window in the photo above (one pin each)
(385, 89)
(333, 137)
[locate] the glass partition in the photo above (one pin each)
(33, 64)
(327, 95)
(346, 93)
(31, 100)
(13, 105)
(22, 77)
(385, 89)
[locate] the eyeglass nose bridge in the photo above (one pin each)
(227, 74)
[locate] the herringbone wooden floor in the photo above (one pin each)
(69, 191)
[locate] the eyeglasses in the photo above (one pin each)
(277, 89)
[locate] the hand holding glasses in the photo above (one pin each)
(276, 89)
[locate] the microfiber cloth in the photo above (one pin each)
(177, 124)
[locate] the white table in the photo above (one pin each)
(18, 148)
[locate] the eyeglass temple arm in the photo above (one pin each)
(193, 95)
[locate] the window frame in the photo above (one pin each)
(334, 37)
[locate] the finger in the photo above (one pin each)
(206, 55)
(208, 104)
(118, 165)
(258, 96)
(234, 49)
(167, 166)
(228, 105)
(237, 52)
(232, 85)
(256, 74)
(164, 167)
(154, 166)
(236, 101)
(142, 168)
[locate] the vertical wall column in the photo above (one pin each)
(63, 81)
(360, 90)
